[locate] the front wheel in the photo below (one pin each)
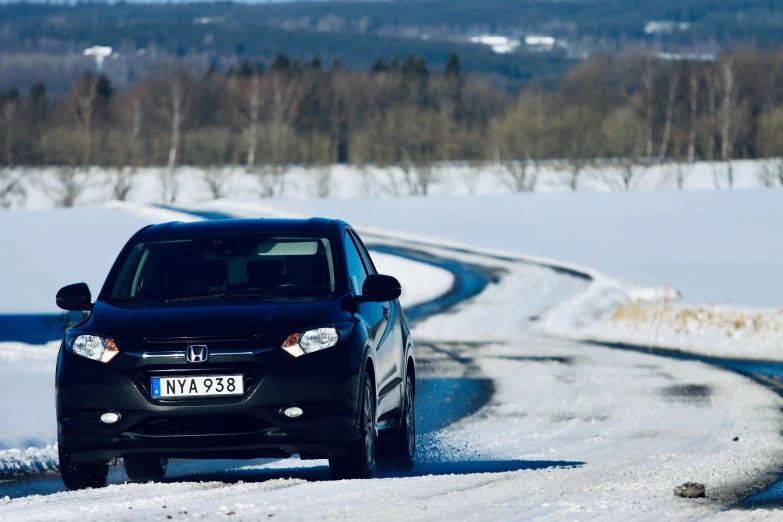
(83, 474)
(359, 460)
(141, 468)
(401, 451)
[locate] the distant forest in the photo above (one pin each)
(632, 108)
(44, 42)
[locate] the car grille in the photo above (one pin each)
(216, 342)
(201, 425)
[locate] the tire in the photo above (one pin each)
(142, 468)
(400, 452)
(83, 474)
(359, 460)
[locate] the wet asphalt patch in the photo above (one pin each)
(695, 394)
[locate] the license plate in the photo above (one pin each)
(200, 386)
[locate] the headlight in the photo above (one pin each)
(311, 341)
(93, 347)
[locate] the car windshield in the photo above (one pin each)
(225, 266)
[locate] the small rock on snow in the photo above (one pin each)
(690, 490)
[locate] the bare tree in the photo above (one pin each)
(323, 181)
(254, 94)
(271, 179)
(393, 185)
(84, 106)
(728, 77)
(679, 175)
(318, 156)
(770, 145)
(122, 180)
(209, 148)
(217, 178)
(177, 106)
(771, 174)
(246, 96)
(136, 104)
(674, 84)
(281, 113)
(66, 186)
(418, 177)
(169, 185)
(649, 104)
(520, 175)
(621, 136)
(276, 128)
(711, 125)
(574, 137)
(405, 138)
(471, 177)
(367, 180)
(11, 188)
(520, 138)
(10, 103)
(124, 177)
(693, 103)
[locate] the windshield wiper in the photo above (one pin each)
(132, 300)
(225, 295)
(250, 296)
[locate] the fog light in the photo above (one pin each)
(110, 417)
(293, 412)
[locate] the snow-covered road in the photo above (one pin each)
(569, 431)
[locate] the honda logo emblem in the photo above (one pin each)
(197, 353)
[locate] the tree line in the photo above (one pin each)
(626, 110)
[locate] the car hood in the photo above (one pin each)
(153, 324)
(195, 319)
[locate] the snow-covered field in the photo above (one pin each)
(46, 250)
(570, 431)
(43, 186)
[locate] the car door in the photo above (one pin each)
(390, 352)
(371, 313)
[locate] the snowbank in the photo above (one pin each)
(420, 282)
(713, 330)
(16, 462)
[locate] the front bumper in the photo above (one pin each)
(324, 384)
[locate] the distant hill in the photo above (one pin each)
(358, 32)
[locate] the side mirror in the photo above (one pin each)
(380, 288)
(75, 298)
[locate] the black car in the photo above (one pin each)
(236, 339)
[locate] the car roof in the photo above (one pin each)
(316, 226)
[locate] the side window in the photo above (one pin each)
(367, 259)
(356, 270)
